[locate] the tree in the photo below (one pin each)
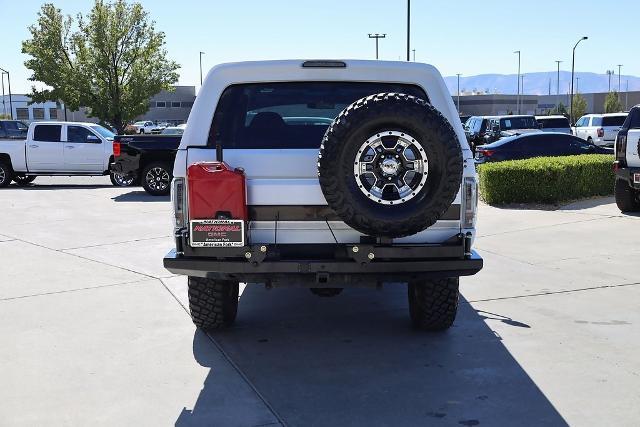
(579, 106)
(111, 61)
(559, 109)
(612, 103)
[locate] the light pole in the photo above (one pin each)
(577, 84)
(377, 37)
(458, 92)
(619, 71)
(408, 26)
(573, 63)
(518, 98)
(609, 73)
(558, 88)
(626, 97)
(9, 83)
(201, 53)
(4, 106)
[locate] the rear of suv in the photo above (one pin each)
(324, 175)
(475, 129)
(599, 129)
(627, 163)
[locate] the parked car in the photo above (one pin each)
(13, 129)
(146, 127)
(321, 205)
(475, 130)
(627, 163)
(554, 124)
(506, 126)
(172, 130)
(57, 148)
(536, 145)
(599, 129)
(147, 159)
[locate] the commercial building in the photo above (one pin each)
(494, 105)
(167, 106)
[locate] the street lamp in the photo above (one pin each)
(558, 88)
(619, 71)
(201, 53)
(518, 99)
(377, 37)
(458, 92)
(408, 26)
(573, 63)
(9, 82)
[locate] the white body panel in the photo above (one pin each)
(59, 157)
(633, 140)
(289, 176)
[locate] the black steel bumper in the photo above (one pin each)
(628, 175)
(326, 263)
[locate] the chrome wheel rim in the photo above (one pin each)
(391, 167)
(3, 175)
(157, 179)
(122, 180)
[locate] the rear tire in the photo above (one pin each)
(156, 178)
(213, 303)
(433, 304)
(6, 174)
(22, 180)
(119, 180)
(326, 292)
(626, 197)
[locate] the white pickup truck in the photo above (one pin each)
(57, 148)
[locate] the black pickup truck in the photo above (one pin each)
(147, 158)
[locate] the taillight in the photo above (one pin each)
(487, 153)
(469, 202)
(116, 149)
(600, 133)
(178, 200)
(621, 149)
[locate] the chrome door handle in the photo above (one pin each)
(33, 146)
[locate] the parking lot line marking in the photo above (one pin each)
(115, 243)
(566, 291)
(480, 235)
(130, 282)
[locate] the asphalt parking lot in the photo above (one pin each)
(94, 331)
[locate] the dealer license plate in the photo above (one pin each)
(217, 233)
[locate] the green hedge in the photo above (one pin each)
(546, 179)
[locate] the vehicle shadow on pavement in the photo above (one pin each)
(354, 360)
(140, 196)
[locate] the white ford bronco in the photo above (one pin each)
(627, 163)
(324, 174)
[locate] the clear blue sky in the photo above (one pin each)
(468, 37)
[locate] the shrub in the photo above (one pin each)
(546, 179)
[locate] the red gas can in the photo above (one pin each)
(216, 191)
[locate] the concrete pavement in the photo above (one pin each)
(95, 331)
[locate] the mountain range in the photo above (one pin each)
(539, 83)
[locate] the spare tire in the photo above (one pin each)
(390, 165)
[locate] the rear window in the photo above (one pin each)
(50, 133)
(518, 123)
(633, 119)
(288, 115)
(554, 123)
(613, 120)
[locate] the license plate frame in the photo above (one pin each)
(216, 233)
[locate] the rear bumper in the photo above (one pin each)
(326, 263)
(125, 165)
(628, 174)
